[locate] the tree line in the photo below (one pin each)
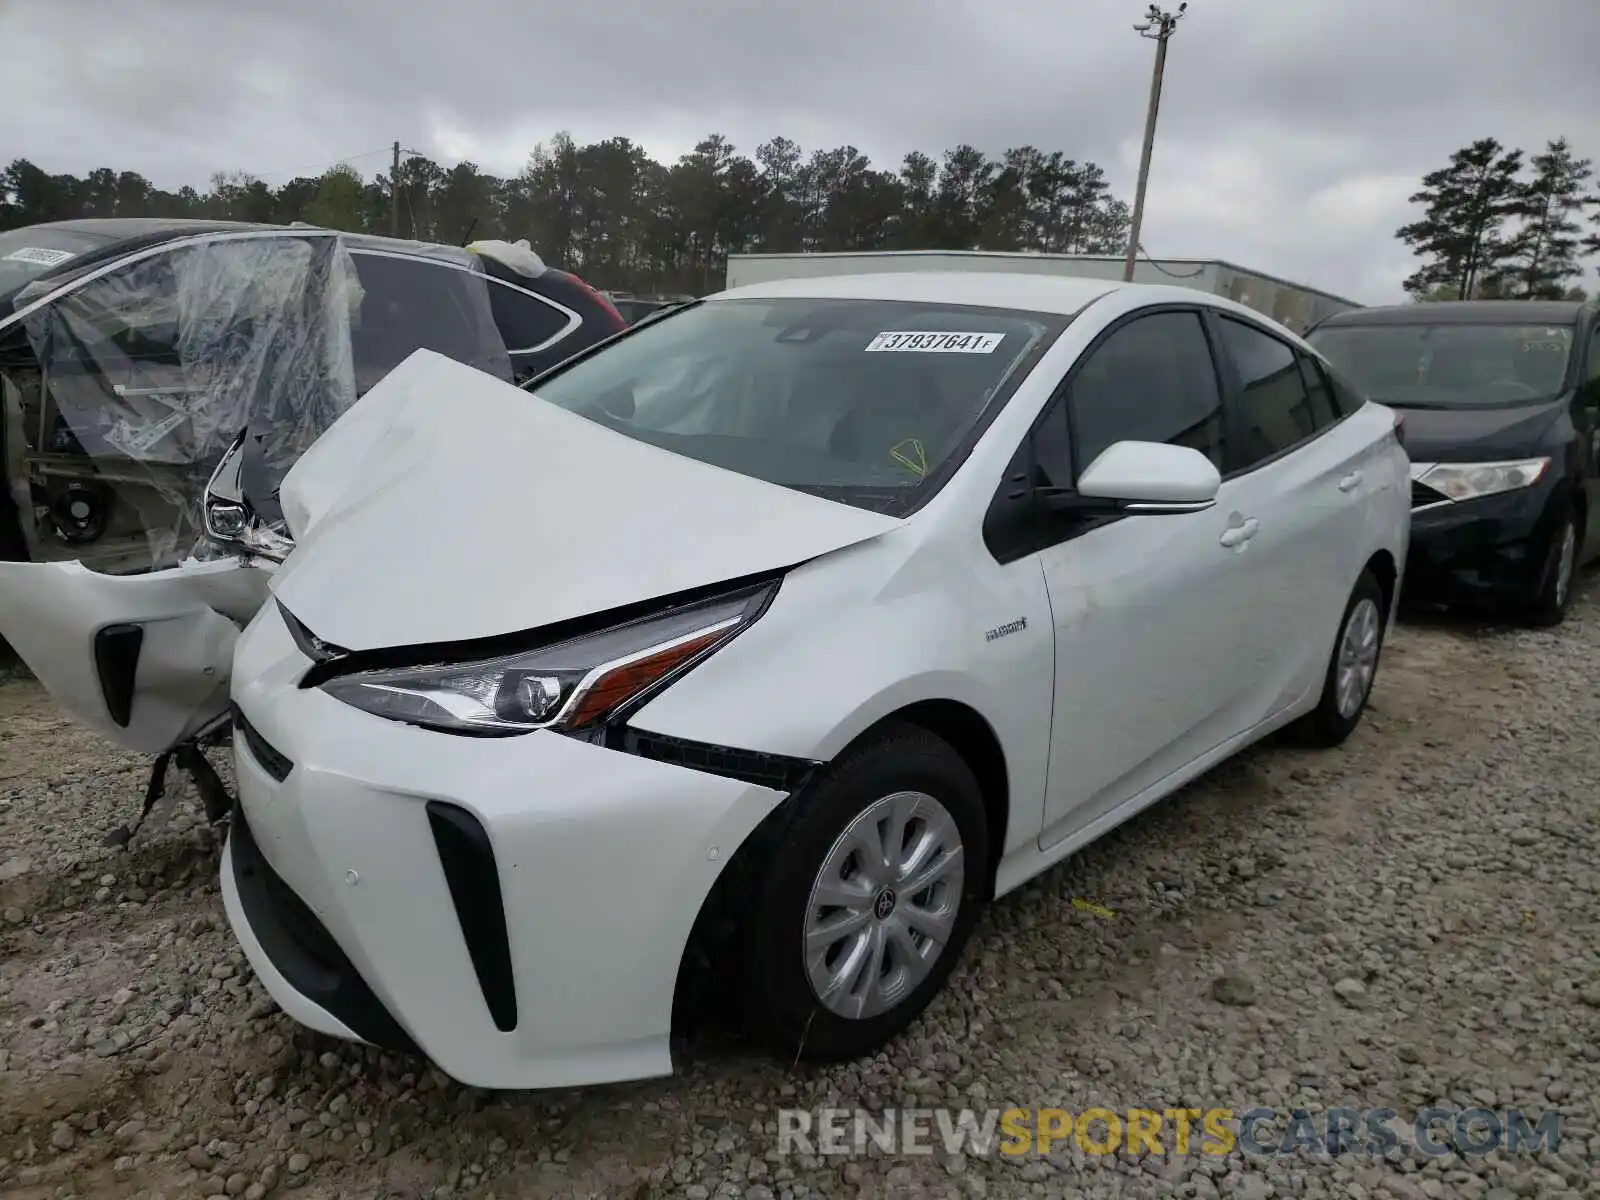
(1498, 223)
(619, 218)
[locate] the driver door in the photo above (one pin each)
(1149, 611)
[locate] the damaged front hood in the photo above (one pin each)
(448, 505)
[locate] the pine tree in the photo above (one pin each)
(1545, 251)
(1467, 205)
(1591, 244)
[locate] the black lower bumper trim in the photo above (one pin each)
(116, 663)
(303, 950)
(473, 877)
(776, 771)
(273, 761)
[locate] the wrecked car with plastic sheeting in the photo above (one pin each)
(131, 364)
(134, 352)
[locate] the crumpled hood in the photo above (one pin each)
(447, 505)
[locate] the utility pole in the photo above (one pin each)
(1158, 26)
(394, 193)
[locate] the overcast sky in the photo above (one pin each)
(1291, 131)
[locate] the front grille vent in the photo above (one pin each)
(273, 761)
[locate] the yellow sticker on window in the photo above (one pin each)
(910, 455)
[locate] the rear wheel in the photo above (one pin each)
(1352, 669)
(1554, 597)
(867, 899)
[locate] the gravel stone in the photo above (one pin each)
(1409, 921)
(1234, 988)
(1352, 991)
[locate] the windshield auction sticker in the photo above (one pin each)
(935, 343)
(39, 256)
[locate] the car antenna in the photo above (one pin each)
(470, 228)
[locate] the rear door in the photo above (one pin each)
(1310, 473)
(410, 303)
(540, 328)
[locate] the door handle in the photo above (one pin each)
(1350, 482)
(1238, 535)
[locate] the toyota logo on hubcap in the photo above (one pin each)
(884, 904)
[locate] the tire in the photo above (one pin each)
(781, 1007)
(13, 547)
(1334, 719)
(1550, 603)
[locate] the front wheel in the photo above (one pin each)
(1352, 669)
(866, 900)
(1554, 598)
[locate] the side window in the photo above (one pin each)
(1346, 399)
(1275, 408)
(1152, 380)
(1052, 449)
(525, 321)
(1318, 393)
(408, 304)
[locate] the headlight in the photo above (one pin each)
(230, 523)
(1468, 481)
(567, 687)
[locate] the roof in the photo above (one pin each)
(1465, 312)
(116, 229)
(153, 230)
(1035, 256)
(1064, 294)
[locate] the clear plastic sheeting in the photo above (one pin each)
(130, 385)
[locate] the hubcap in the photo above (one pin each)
(1358, 657)
(1565, 564)
(884, 905)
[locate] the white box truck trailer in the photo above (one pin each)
(1293, 304)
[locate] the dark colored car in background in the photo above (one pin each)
(1501, 404)
(133, 352)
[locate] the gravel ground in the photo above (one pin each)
(1407, 921)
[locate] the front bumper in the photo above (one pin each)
(516, 908)
(1490, 550)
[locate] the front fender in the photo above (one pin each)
(842, 648)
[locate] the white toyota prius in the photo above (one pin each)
(747, 656)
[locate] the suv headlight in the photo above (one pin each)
(569, 686)
(231, 525)
(1469, 481)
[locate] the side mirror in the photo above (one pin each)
(1150, 477)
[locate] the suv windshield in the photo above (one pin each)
(860, 401)
(1450, 366)
(26, 254)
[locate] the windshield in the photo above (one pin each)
(860, 401)
(1450, 366)
(26, 254)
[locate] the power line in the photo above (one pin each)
(323, 167)
(1145, 254)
